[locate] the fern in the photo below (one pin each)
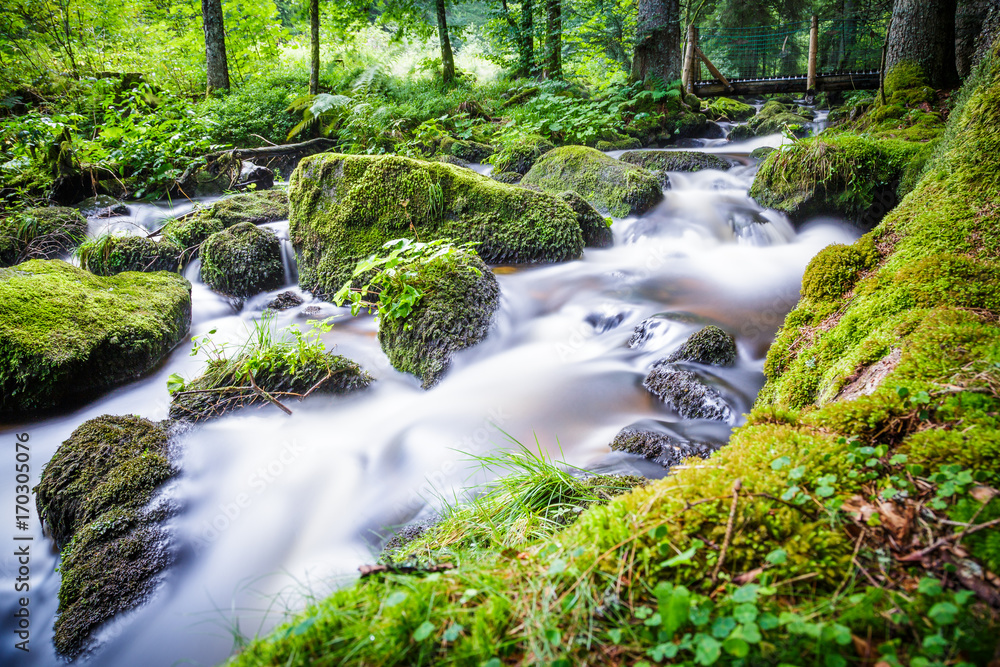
(323, 109)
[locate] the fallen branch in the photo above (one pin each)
(737, 485)
(369, 570)
(266, 395)
(919, 555)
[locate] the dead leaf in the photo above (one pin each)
(747, 577)
(897, 520)
(863, 647)
(860, 509)
(983, 494)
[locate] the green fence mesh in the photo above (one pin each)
(761, 52)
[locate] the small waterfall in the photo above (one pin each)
(288, 259)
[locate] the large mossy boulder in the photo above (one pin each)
(66, 333)
(674, 160)
(470, 151)
(110, 255)
(520, 153)
(94, 499)
(346, 207)
(40, 233)
(611, 186)
(854, 177)
(460, 296)
(596, 229)
(256, 208)
(724, 108)
(284, 373)
(242, 260)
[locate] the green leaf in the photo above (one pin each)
(723, 626)
(453, 632)
(746, 613)
(736, 647)
(777, 557)
(395, 598)
(681, 558)
(553, 637)
(175, 383)
(797, 472)
(780, 462)
(929, 586)
(424, 631)
(825, 491)
(943, 613)
(674, 609)
(615, 635)
(747, 593)
(707, 650)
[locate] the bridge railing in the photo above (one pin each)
(761, 52)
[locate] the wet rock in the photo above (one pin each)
(653, 327)
(66, 333)
(611, 186)
(646, 440)
(627, 144)
(451, 159)
(596, 229)
(345, 207)
(255, 177)
(460, 296)
(509, 177)
(711, 346)
(109, 255)
(242, 260)
(40, 233)
(761, 153)
(101, 206)
(713, 131)
(256, 208)
(686, 393)
(284, 301)
(94, 499)
(403, 537)
(468, 151)
(675, 160)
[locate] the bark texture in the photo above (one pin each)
(553, 39)
(447, 58)
(313, 47)
(923, 32)
(658, 40)
(216, 66)
(969, 20)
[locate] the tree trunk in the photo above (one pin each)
(658, 41)
(447, 58)
(527, 49)
(313, 47)
(969, 21)
(923, 32)
(553, 39)
(216, 66)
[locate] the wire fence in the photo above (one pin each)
(845, 45)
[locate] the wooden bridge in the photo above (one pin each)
(806, 57)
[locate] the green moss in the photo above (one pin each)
(344, 208)
(191, 231)
(92, 498)
(460, 296)
(40, 233)
(242, 260)
(833, 271)
(723, 108)
(619, 145)
(675, 160)
(520, 153)
(509, 177)
(611, 186)
(66, 333)
(470, 151)
(255, 208)
(906, 86)
(710, 345)
(110, 255)
(595, 228)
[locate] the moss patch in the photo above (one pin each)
(40, 233)
(723, 108)
(611, 186)
(242, 260)
(675, 160)
(460, 297)
(711, 346)
(596, 229)
(93, 497)
(520, 153)
(255, 208)
(67, 333)
(344, 208)
(110, 255)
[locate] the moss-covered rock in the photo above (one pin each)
(723, 108)
(611, 186)
(596, 229)
(710, 345)
(344, 208)
(520, 153)
(460, 296)
(451, 159)
(849, 176)
(835, 269)
(761, 152)
(508, 177)
(470, 151)
(40, 233)
(654, 443)
(686, 393)
(675, 160)
(242, 260)
(93, 499)
(626, 144)
(225, 385)
(66, 333)
(256, 208)
(101, 206)
(109, 255)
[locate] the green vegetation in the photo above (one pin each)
(256, 208)
(242, 260)
(675, 160)
(66, 333)
(39, 233)
(108, 254)
(93, 497)
(271, 366)
(378, 199)
(609, 185)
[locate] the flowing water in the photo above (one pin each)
(275, 509)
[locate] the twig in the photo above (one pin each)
(737, 485)
(854, 556)
(369, 570)
(918, 555)
(267, 395)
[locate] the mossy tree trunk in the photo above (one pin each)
(447, 57)
(216, 66)
(553, 39)
(313, 47)
(658, 41)
(923, 32)
(524, 36)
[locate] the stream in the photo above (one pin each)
(276, 511)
